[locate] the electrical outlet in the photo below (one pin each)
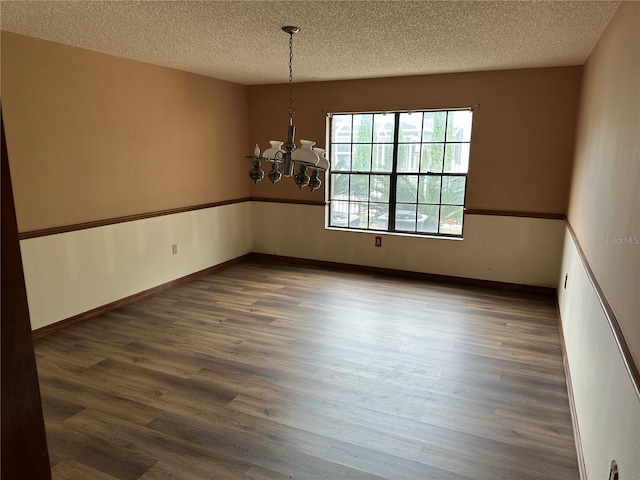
(174, 248)
(378, 241)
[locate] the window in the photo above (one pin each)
(400, 172)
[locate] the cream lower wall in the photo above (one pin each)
(607, 406)
(71, 273)
(74, 272)
(498, 248)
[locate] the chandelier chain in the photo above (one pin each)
(291, 110)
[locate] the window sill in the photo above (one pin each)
(396, 234)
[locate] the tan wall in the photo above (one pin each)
(605, 201)
(92, 136)
(523, 132)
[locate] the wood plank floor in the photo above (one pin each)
(262, 371)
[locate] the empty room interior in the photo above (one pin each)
(444, 286)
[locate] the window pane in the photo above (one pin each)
(456, 158)
(428, 218)
(408, 157)
(459, 126)
(361, 158)
(339, 186)
(429, 189)
(451, 220)
(341, 129)
(362, 128)
(379, 216)
(382, 158)
(358, 215)
(410, 127)
(432, 158)
(359, 187)
(406, 217)
(453, 190)
(407, 188)
(433, 126)
(341, 157)
(380, 188)
(383, 128)
(339, 214)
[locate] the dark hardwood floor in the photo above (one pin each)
(262, 371)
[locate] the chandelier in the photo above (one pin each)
(307, 158)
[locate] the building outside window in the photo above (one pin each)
(403, 172)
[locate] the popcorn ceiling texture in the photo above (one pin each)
(241, 41)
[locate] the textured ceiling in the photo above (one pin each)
(241, 41)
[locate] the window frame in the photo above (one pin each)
(392, 203)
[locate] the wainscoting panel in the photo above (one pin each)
(499, 248)
(74, 272)
(607, 407)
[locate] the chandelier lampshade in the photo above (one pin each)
(274, 151)
(305, 154)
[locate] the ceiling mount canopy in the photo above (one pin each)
(291, 29)
(283, 162)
